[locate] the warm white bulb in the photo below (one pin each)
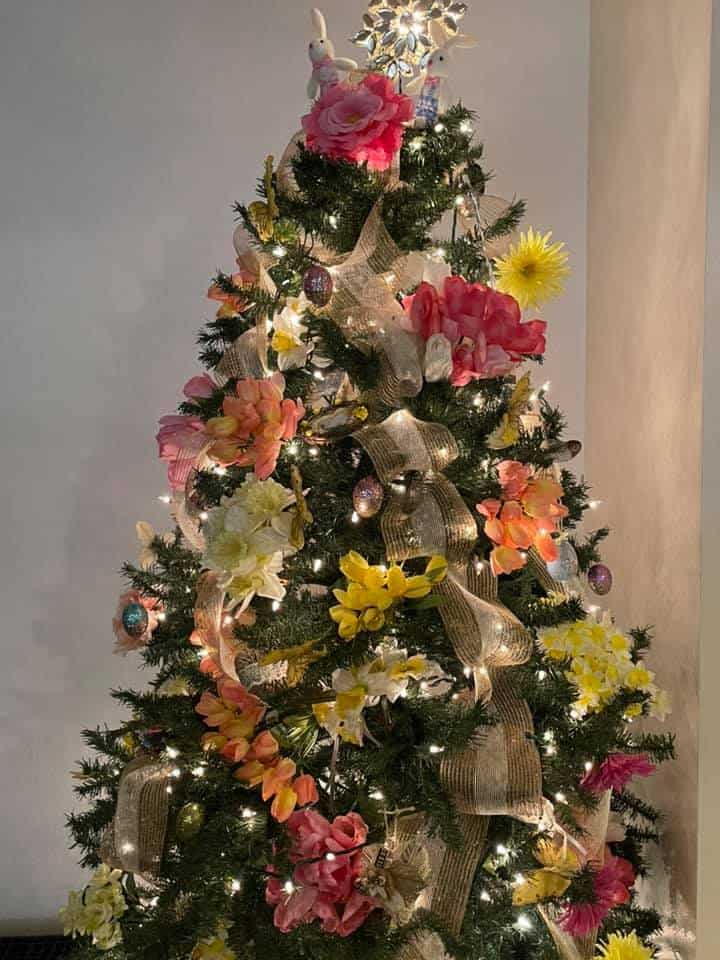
(355, 517)
(434, 748)
(317, 565)
(172, 752)
(275, 606)
(279, 250)
(314, 451)
(330, 855)
(289, 886)
(247, 813)
(198, 771)
(235, 886)
(485, 896)
(165, 498)
(523, 922)
(560, 798)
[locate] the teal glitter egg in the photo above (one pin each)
(134, 619)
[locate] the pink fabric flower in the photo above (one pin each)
(611, 888)
(483, 325)
(361, 123)
(202, 386)
(124, 642)
(325, 889)
(180, 441)
(254, 425)
(232, 303)
(617, 771)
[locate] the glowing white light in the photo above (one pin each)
(523, 922)
(247, 813)
(542, 675)
(439, 127)
(173, 752)
(589, 765)
(560, 798)
(467, 671)
(220, 471)
(235, 886)
(177, 772)
(289, 886)
(198, 771)
(485, 896)
(314, 451)
(459, 200)
(501, 850)
(317, 565)
(478, 401)
(594, 504)
(127, 847)
(165, 498)
(434, 748)
(519, 878)
(168, 789)
(355, 517)
(466, 127)
(279, 250)
(318, 374)
(275, 606)
(330, 855)
(333, 220)
(377, 795)
(204, 515)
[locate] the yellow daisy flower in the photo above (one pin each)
(533, 269)
(623, 948)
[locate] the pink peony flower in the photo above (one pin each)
(361, 123)
(483, 325)
(255, 423)
(180, 441)
(202, 386)
(611, 888)
(125, 642)
(617, 771)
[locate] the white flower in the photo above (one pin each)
(288, 339)
(264, 500)
(258, 576)
(107, 936)
(72, 916)
(105, 875)
(660, 705)
(96, 916)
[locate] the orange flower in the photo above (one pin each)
(284, 803)
(306, 790)
(277, 777)
(264, 747)
(232, 303)
(250, 773)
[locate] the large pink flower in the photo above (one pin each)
(255, 423)
(202, 386)
(180, 440)
(362, 123)
(484, 326)
(617, 771)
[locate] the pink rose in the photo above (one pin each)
(356, 912)
(180, 441)
(347, 832)
(514, 478)
(362, 123)
(199, 387)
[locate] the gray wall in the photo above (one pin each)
(126, 131)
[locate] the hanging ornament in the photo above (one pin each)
(135, 619)
(318, 285)
(600, 579)
(153, 738)
(129, 742)
(561, 450)
(338, 422)
(189, 821)
(368, 497)
(566, 565)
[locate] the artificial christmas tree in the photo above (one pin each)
(384, 720)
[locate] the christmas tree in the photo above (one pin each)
(385, 719)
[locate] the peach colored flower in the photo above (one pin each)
(255, 423)
(232, 303)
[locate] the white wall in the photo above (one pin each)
(126, 131)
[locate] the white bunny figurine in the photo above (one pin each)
(432, 84)
(326, 66)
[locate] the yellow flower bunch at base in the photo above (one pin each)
(372, 592)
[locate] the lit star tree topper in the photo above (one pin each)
(396, 33)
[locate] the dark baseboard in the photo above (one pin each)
(34, 948)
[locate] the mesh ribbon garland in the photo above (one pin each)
(499, 772)
(135, 839)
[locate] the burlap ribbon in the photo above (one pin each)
(499, 771)
(135, 839)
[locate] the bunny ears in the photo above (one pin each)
(443, 38)
(319, 23)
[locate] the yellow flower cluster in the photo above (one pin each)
(628, 947)
(600, 665)
(214, 949)
(372, 592)
(94, 912)
(559, 866)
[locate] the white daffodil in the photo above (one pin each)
(288, 339)
(257, 577)
(72, 916)
(264, 500)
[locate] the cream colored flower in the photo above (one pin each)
(72, 916)
(174, 687)
(107, 936)
(289, 337)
